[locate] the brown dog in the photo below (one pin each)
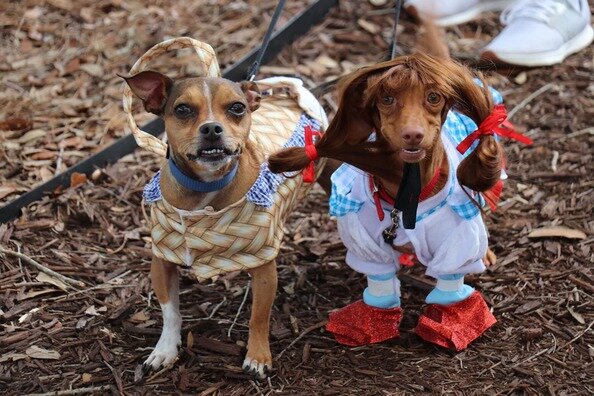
(405, 104)
(208, 124)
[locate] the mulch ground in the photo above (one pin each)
(58, 60)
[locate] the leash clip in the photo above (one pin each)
(389, 234)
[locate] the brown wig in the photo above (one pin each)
(347, 137)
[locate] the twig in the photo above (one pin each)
(303, 334)
(533, 95)
(247, 290)
(585, 131)
(42, 268)
(577, 337)
(79, 391)
(216, 308)
(530, 358)
(59, 161)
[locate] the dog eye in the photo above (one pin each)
(237, 109)
(387, 100)
(183, 111)
(433, 98)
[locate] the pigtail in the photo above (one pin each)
(289, 159)
(481, 169)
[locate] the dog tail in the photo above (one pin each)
(431, 40)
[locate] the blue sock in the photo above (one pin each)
(450, 289)
(385, 286)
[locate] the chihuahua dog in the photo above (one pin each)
(208, 123)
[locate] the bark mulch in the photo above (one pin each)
(58, 62)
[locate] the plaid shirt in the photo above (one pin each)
(456, 127)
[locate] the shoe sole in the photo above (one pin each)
(466, 15)
(546, 58)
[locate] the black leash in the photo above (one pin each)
(394, 50)
(407, 197)
(253, 70)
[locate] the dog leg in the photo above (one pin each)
(258, 358)
(490, 258)
(165, 280)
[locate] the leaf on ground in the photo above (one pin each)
(190, 340)
(557, 231)
(36, 352)
(577, 316)
(15, 124)
(76, 179)
(43, 277)
(529, 306)
(12, 356)
(7, 189)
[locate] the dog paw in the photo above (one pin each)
(258, 368)
(164, 355)
(490, 258)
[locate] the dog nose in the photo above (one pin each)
(211, 131)
(412, 135)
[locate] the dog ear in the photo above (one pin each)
(152, 88)
(252, 93)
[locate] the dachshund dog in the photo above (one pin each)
(414, 109)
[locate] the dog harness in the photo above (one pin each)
(248, 233)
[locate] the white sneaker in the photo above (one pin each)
(453, 12)
(541, 32)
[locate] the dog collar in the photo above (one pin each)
(197, 185)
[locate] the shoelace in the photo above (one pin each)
(541, 10)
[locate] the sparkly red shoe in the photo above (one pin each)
(457, 325)
(361, 324)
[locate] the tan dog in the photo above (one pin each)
(208, 124)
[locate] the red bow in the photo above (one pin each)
(312, 154)
(495, 124)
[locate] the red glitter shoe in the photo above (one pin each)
(361, 324)
(457, 325)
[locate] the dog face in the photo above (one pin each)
(207, 120)
(410, 111)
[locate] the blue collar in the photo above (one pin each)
(200, 186)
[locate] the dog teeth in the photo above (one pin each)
(213, 151)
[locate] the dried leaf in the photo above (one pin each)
(43, 277)
(76, 179)
(32, 136)
(36, 352)
(557, 231)
(16, 124)
(92, 69)
(7, 189)
(12, 356)
(139, 317)
(576, 316)
(92, 311)
(529, 306)
(190, 340)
